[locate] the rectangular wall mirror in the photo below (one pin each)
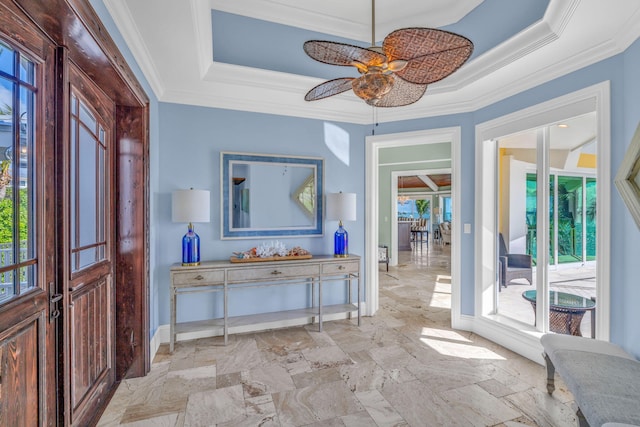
(270, 196)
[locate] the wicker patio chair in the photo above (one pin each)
(514, 266)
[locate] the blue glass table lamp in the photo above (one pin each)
(190, 206)
(341, 207)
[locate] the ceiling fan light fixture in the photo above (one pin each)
(396, 73)
(372, 86)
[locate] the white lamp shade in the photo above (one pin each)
(341, 206)
(190, 206)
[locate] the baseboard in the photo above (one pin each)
(156, 340)
(516, 338)
(464, 322)
(162, 333)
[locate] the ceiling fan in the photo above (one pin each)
(396, 73)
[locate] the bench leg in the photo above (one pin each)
(582, 421)
(551, 371)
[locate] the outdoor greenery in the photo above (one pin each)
(422, 206)
(6, 216)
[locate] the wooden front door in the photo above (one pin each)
(88, 225)
(29, 300)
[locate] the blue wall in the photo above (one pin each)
(191, 139)
(186, 142)
(625, 236)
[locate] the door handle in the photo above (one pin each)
(54, 298)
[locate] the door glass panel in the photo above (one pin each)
(552, 210)
(571, 277)
(531, 215)
(88, 187)
(26, 175)
(17, 182)
(517, 221)
(27, 71)
(590, 219)
(87, 257)
(7, 59)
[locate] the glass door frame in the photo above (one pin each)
(594, 98)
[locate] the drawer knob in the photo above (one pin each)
(276, 272)
(341, 267)
(198, 277)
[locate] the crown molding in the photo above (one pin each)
(353, 29)
(123, 19)
(484, 81)
(532, 38)
(628, 33)
(248, 89)
(201, 18)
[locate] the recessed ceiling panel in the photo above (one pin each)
(264, 44)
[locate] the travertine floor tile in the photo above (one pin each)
(478, 406)
(213, 407)
(403, 367)
(379, 408)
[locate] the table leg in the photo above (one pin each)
(313, 299)
(172, 324)
(358, 300)
(226, 319)
(320, 306)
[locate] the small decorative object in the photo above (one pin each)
(272, 251)
(627, 179)
(190, 206)
(341, 207)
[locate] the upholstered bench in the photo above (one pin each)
(603, 378)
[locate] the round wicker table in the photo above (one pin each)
(565, 310)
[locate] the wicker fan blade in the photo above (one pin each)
(341, 54)
(432, 54)
(402, 93)
(329, 88)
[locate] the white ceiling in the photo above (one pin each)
(172, 42)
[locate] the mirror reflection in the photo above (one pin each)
(267, 195)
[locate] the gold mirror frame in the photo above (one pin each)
(627, 179)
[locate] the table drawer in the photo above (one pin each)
(340, 268)
(273, 272)
(195, 278)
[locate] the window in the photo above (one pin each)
(18, 261)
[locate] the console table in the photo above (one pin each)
(226, 276)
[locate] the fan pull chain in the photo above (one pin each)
(374, 119)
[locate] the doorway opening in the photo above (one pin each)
(375, 217)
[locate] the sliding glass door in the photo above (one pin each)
(546, 204)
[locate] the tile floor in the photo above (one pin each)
(403, 367)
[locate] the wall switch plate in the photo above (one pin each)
(467, 228)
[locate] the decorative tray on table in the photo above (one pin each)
(274, 251)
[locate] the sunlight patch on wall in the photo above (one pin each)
(587, 161)
(337, 140)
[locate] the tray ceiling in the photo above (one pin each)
(174, 43)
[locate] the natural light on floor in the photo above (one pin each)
(452, 343)
(441, 297)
